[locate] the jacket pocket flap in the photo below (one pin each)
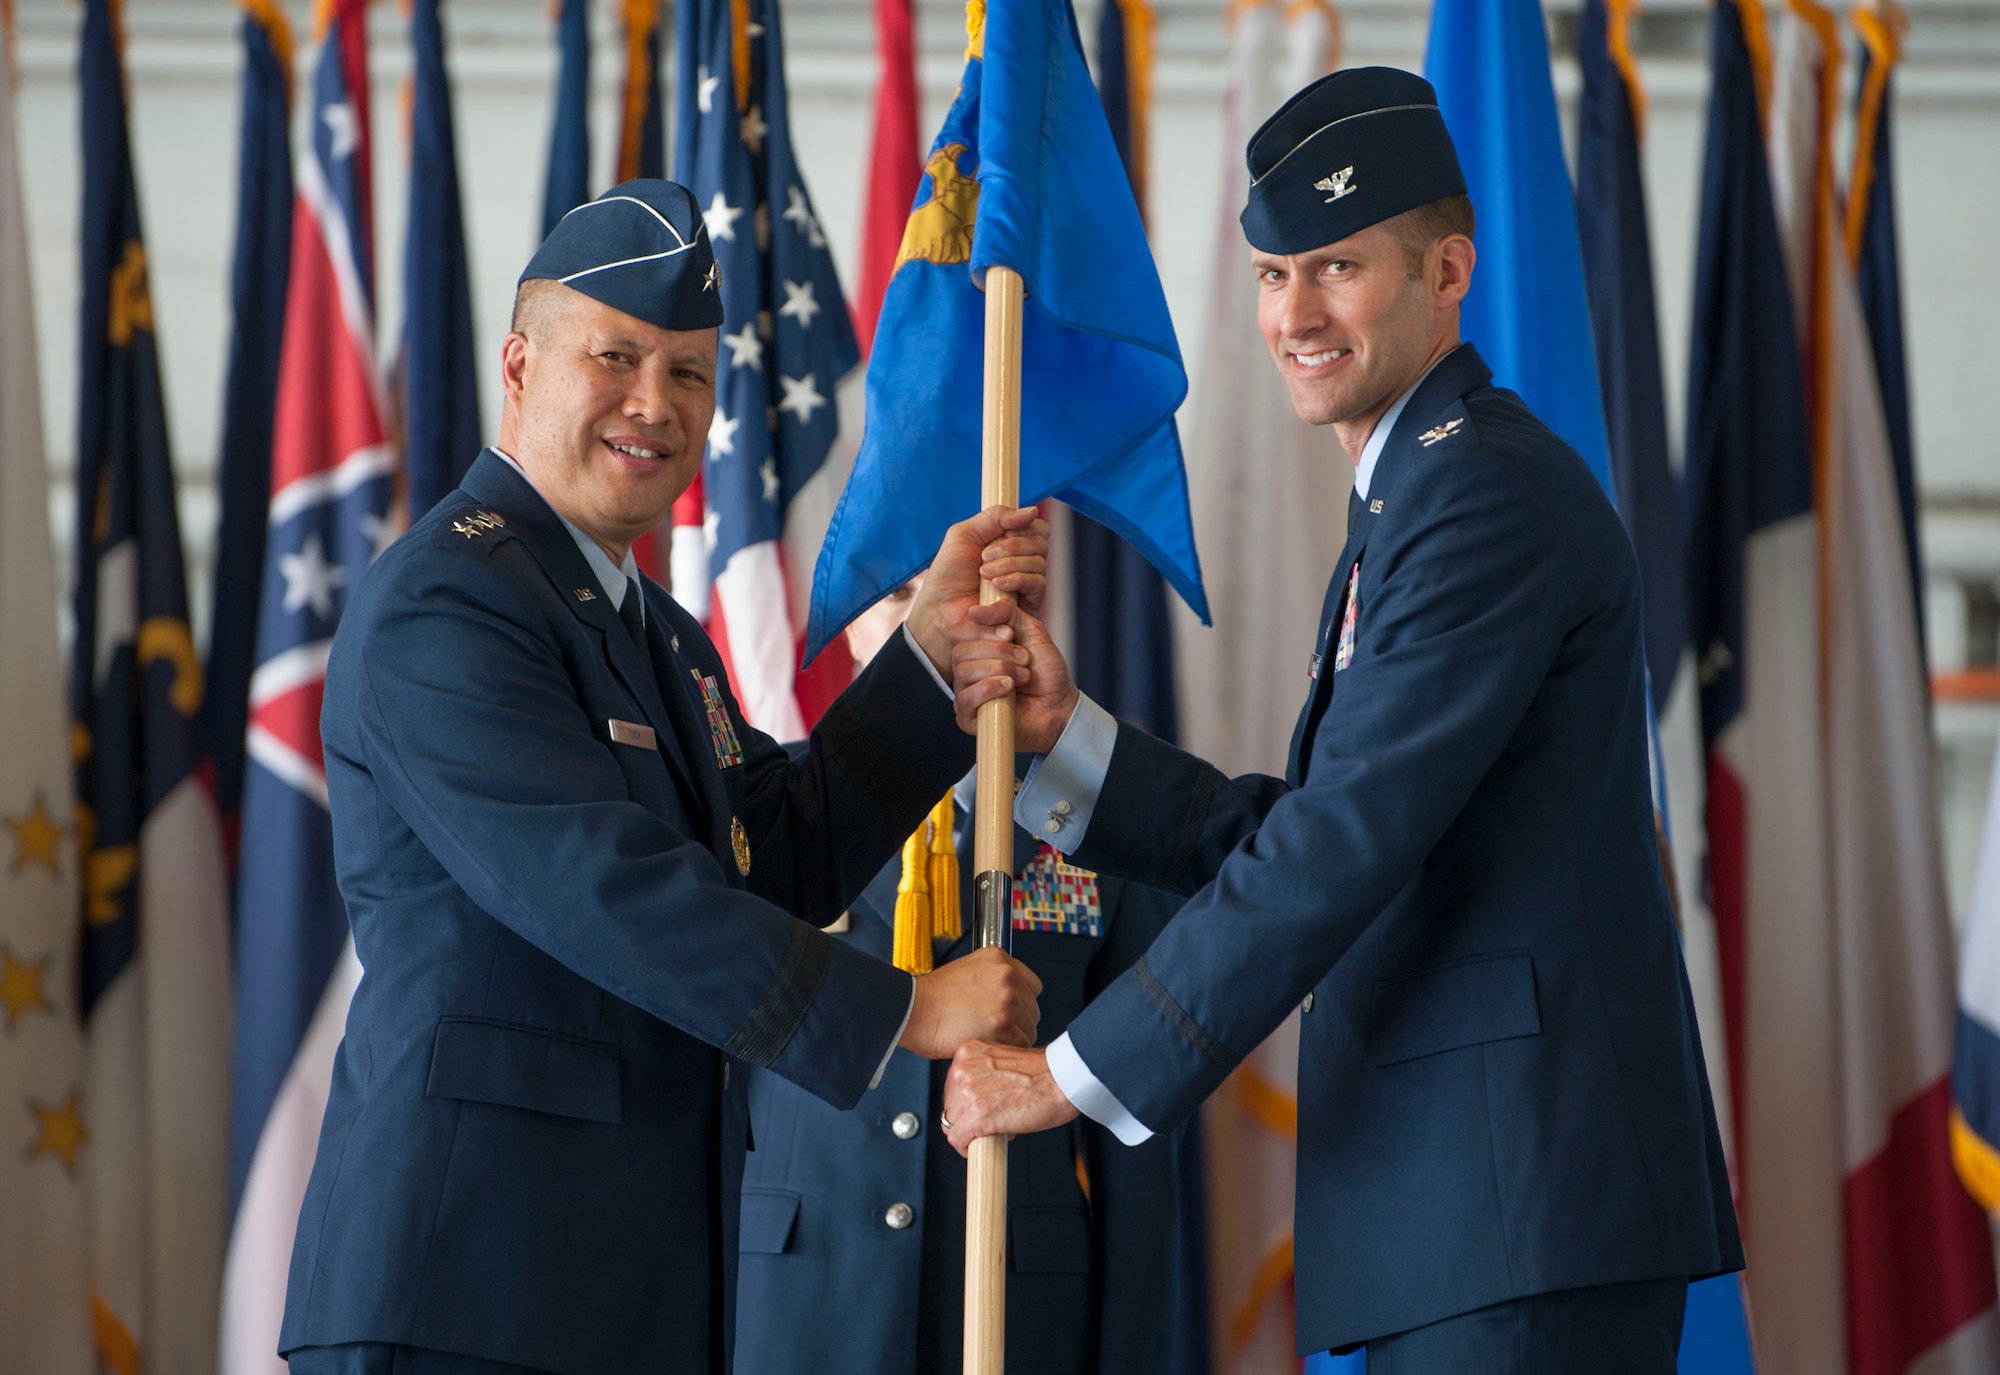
(1051, 1241)
(1489, 998)
(768, 1217)
(524, 1067)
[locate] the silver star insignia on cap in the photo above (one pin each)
(1337, 183)
(1444, 431)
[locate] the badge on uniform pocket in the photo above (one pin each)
(721, 731)
(1053, 896)
(1343, 653)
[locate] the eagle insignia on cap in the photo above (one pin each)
(1337, 183)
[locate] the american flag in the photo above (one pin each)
(333, 473)
(787, 340)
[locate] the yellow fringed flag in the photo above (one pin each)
(927, 897)
(944, 873)
(913, 905)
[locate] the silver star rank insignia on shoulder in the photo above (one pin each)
(1437, 432)
(1338, 184)
(712, 278)
(478, 523)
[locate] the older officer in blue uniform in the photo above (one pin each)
(1508, 1158)
(576, 878)
(853, 1241)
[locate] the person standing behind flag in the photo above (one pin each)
(854, 1222)
(1507, 1155)
(568, 866)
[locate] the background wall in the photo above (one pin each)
(183, 58)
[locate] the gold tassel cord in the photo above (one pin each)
(944, 873)
(912, 949)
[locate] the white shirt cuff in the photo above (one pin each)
(897, 1039)
(1061, 789)
(925, 660)
(1090, 1097)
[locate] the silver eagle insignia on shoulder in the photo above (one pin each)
(1337, 183)
(1437, 432)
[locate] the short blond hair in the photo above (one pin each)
(1416, 230)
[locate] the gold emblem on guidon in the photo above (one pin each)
(739, 840)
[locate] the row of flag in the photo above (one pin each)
(1781, 585)
(1802, 661)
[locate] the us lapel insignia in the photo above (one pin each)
(739, 841)
(1437, 432)
(1343, 653)
(721, 731)
(1312, 667)
(478, 523)
(1053, 896)
(584, 594)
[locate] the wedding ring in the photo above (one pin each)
(944, 1121)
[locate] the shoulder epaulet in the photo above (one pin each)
(471, 523)
(1437, 434)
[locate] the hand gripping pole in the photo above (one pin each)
(993, 837)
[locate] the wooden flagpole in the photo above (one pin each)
(993, 836)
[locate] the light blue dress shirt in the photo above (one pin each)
(611, 577)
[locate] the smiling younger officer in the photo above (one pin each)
(575, 876)
(1508, 1159)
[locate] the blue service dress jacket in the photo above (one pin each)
(1501, 1088)
(569, 930)
(836, 1279)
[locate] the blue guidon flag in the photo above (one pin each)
(787, 340)
(1024, 174)
(333, 478)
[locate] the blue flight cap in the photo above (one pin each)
(641, 248)
(1352, 149)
